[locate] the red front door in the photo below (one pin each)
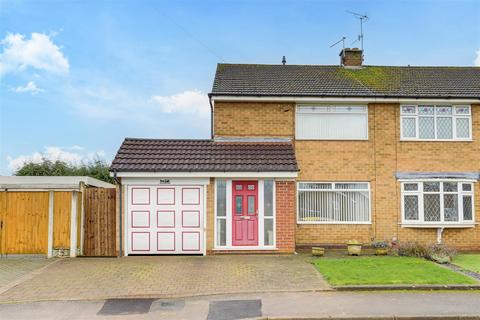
(245, 213)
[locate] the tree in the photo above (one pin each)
(96, 169)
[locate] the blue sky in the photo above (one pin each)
(79, 76)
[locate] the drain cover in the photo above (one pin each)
(234, 309)
(125, 307)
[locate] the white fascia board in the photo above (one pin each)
(342, 100)
(266, 174)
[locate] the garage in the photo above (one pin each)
(165, 219)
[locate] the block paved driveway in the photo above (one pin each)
(167, 277)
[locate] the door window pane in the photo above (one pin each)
(251, 204)
(238, 204)
(238, 187)
(268, 198)
(431, 207)
(221, 232)
(268, 232)
(221, 198)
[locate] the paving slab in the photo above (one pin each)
(167, 277)
(14, 268)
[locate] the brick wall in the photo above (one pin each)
(253, 119)
(375, 160)
(285, 195)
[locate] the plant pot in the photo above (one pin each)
(318, 252)
(381, 251)
(354, 249)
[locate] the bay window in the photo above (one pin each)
(322, 202)
(437, 202)
(435, 122)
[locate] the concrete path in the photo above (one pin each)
(166, 277)
(320, 305)
(14, 268)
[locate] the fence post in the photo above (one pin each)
(73, 225)
(50, 224)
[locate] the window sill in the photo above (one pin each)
(435, 140)
(333, 222)
(439, 225)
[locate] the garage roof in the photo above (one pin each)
(159, 155)
(50, 182)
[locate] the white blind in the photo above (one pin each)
(332, 123)
(334, 202)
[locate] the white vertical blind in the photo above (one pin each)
(334, 202)
(332, 123)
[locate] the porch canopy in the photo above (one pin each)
(207, 158)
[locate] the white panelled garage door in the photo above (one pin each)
(165, 219)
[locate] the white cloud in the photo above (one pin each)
(53, 154)
(38, 52)
(187, 102)
(477, 59)
(30, 87)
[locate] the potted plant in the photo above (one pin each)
(318, 252)
(354, 247)
(381, 248)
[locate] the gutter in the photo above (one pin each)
(211, 114)
(120, 205)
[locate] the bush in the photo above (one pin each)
(412, 249)
(436, 252)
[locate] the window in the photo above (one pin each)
(221, 213)
(435, 122)
(333, 202)
(268, 233)
(437, 202)
(332, 123)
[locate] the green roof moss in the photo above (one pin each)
(376, 78)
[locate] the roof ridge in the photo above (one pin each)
(340, 66)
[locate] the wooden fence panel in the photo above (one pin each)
(25, 222)
(99, 222)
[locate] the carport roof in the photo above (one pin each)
(159, 155)
(50, 182)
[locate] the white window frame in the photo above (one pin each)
(329, 109)
(420, 194)
(454, 117)
(261, 239)
(333, 189)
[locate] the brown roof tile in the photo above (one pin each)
(158, 155)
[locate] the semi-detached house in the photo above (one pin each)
(304, 155)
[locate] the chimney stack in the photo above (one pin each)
(351, 57)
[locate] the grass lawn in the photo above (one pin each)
(386, 270)
(468, 262)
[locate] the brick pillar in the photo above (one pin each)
(285, 202)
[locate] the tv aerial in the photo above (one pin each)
(342, 41)
(363, 18)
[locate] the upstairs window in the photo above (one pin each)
(435, 122)
(332, 122)
(437, 202)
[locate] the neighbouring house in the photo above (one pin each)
(305, 155)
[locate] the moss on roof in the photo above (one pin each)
(376, 78)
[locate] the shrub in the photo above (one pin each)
(412, 249)
(441, 253)
(436, 252)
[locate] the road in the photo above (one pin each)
(272, 305)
